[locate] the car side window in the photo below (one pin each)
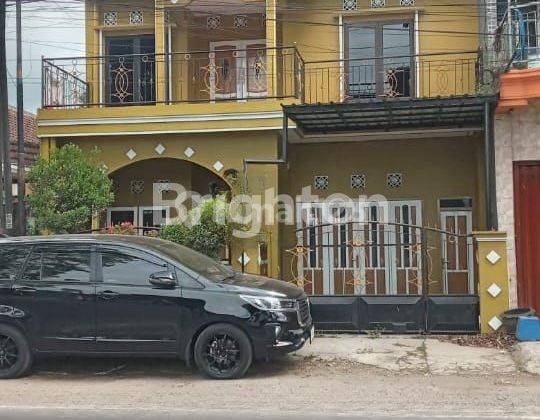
(128, 268)
(11, 261)
(32, 269)
(66, 266)
(186, 281)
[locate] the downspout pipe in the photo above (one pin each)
(283, 155)
(489, 153)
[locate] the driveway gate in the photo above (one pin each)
(373, 267)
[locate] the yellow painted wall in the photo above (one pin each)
(313, 27)
(432, 169)
(228, 148)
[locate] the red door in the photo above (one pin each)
(527, 221)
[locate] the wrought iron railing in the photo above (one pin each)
(517, 39)
(197, 76)
(421, 76)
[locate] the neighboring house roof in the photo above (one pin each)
(31, 140)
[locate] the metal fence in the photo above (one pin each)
(395, 277)
(421, 76)
(197, 76)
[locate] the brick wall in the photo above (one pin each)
(516, 139)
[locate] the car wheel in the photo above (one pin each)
(15, 355)
(223, 351)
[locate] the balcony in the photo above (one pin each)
(187, 77)
(256, 74)
(422, 76)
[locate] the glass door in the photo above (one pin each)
(130, 70)
(379, 57)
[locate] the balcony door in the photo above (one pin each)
(379, 59)
(130, 70)
(238, 70)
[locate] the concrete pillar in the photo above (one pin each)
(161, 57)
(47, 146)
(493, 284)
(271, 44)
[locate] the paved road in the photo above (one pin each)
(76, 414)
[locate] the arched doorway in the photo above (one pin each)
(134, 189)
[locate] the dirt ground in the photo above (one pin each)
(300, 384)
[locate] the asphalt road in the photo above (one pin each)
(39, 413)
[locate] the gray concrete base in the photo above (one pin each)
(527, 356)
(397, 353)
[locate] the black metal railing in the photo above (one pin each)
(421, 76)
(196, 76)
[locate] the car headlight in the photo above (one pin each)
(270, 303)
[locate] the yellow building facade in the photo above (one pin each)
(240, 95)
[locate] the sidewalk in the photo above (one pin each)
(423, 355)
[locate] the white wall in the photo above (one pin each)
(517, 138)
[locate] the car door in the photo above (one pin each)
(12, 258)
(134, 316)
(56, 290)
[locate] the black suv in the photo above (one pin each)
(135, 296)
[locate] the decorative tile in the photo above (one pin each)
(378, 3)
(321, 182)
(394, 180)
(218, 166)
(349, 5)
(240, 21)
(189, 152)
(136, 17)
(136, 186)
(494, 290)
(213, 22)
(495, 323)
(110, 18)
(164, 185)
(131, 154)
(406, 2)
(160, 149)
(246, 259)
(358, 182)
(493, 257)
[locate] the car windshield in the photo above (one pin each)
(205, 266)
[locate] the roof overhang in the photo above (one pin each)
(389, 115)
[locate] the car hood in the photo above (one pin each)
(259, 285)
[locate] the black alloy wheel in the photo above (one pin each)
(223, 351)
(15, 354)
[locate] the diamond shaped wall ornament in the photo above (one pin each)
(218, 166)
(495, 323)
(189, 152)
(494, 290)
(378, 3)
(131, 154)
(406, 2)
(493, 257)
(160, 149)
(245, 258)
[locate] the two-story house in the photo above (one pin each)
(374, 98)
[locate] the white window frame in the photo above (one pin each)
(132, 209)
(241, 63)
(470, 251)
(142, 209)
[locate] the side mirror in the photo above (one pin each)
(163, 280)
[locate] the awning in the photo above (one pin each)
(385, 115)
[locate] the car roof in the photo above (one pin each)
(91, 238)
